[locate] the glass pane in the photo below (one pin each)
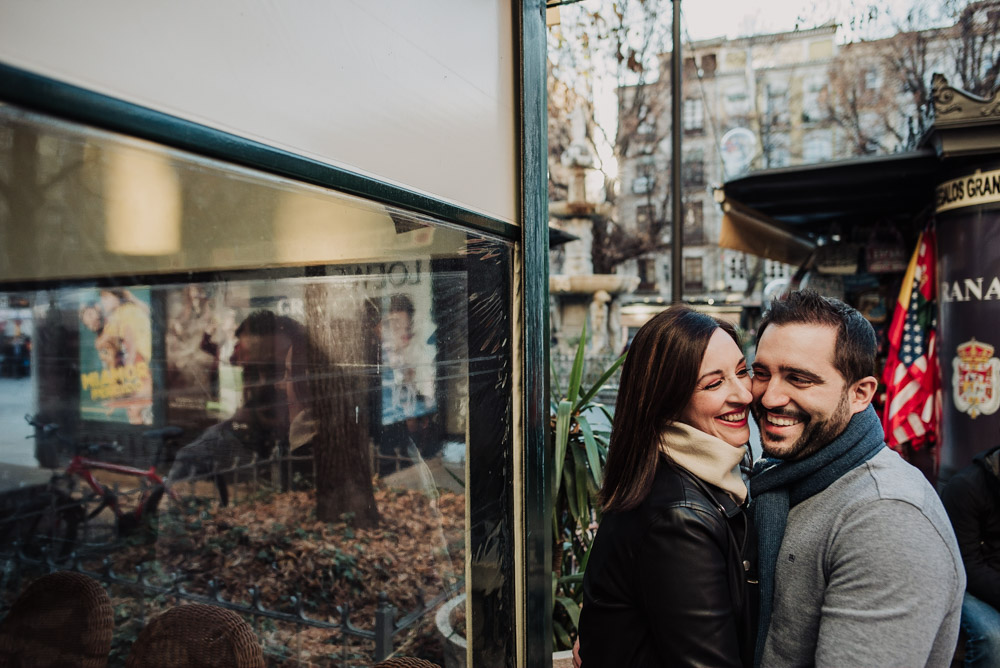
(222, 387)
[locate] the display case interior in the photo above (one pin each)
(224, 386)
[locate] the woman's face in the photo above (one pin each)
(722, 395)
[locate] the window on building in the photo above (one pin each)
(812, 100)
(737, 103)
(709, 64)
(647, 122)
(776, 152)
(873, 79)
(694, 280)
(645, 175)
(690, 68)
(693, 173)
(780, 157)
(818, 147)
(645, 214)
(736, 267)
(776, 101)
(694, 222)
(642, 185)
(694, 115)
(775, 269)
(647, 275)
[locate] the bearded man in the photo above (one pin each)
(859, 564)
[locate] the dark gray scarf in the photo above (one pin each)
(777, 486)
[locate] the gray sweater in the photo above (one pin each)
(868, 574)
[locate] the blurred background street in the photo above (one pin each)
(17, 397)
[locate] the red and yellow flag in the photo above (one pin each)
(913, 398)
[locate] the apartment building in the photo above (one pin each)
(754, 102)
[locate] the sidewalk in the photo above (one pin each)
(17, 397)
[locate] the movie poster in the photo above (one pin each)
(409, 351)
(401, 291)
(115, 350)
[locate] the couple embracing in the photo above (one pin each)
(832, 552)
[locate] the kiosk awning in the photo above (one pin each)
(752, 232)
(778, 213)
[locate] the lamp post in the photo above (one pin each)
(676, 240)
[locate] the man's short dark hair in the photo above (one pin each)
(855, 346)
(401, 304)
(259, 323)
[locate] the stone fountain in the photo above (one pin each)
(577, 294)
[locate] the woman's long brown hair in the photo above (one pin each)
(658, 379)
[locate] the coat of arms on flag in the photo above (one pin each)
(976, 379)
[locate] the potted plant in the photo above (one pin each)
(580, 449)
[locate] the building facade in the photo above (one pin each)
(750, 103)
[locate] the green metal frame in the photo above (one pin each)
(537, 635)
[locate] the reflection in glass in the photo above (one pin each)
(256, 394)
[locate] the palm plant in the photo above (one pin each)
(580, 450)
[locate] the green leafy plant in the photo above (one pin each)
(580, 450)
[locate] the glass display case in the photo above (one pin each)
(226, 387)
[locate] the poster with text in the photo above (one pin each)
(115, 349)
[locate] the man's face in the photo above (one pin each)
(400, 328)
(801, 402)
(262, 360)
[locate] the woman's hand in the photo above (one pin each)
(576, 654)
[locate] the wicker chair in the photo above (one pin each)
(61, 619)
(196, 636)
(406, 662)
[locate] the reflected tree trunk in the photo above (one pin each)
(340, 386)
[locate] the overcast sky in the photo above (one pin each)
(731, 18)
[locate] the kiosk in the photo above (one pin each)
(293, 257)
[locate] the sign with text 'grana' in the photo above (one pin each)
(969, 315)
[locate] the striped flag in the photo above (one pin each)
(913, 397)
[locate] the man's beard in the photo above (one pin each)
(816, 434)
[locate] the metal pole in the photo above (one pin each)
(384, 621)
(676, 194)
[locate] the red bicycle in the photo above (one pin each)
(50, 524)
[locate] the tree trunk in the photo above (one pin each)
(340, 386)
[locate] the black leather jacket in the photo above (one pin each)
(666, 584)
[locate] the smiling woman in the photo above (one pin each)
(722, 394)
(670, 576)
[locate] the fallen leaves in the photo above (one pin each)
(277, 545)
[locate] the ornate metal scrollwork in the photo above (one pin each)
(956, 106)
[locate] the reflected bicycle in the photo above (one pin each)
(50, 523)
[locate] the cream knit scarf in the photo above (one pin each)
(708, 458)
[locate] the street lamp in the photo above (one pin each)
(676, 240)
